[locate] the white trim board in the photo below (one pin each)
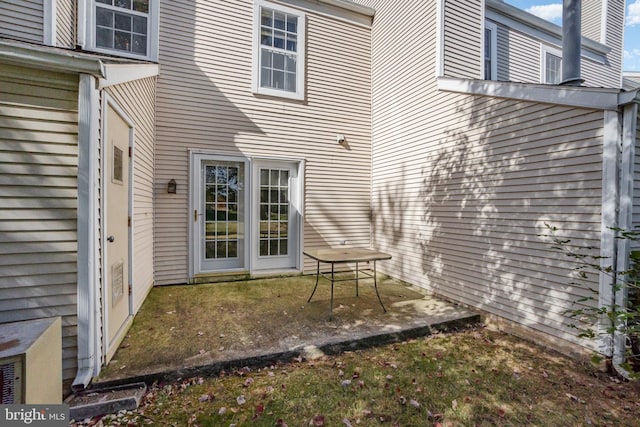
(584, 97)
(123, 73)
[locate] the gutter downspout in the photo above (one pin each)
(87, 230)
(571, 42)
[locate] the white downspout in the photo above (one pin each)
(87, 265)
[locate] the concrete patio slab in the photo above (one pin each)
(200, 330)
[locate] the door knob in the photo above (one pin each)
(111, 238)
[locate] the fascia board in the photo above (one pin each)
(123, 73)
(583, 97)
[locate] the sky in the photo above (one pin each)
(552, 11)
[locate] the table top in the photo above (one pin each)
(337, 255)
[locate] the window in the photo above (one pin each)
(278, 51)
(551, 65)
(122, 27)
(490, 51)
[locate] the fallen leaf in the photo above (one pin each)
(501, 412)
(222, 411)
(454, 404)
(241, 400)
(414, 403)
(346, 422)
(403, 400)
(281, 423)
(318, 420)
(259, 409)
(247, 382)
(204, 398)
(200, 333)
(346, 383)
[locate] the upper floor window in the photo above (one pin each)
(490, 51)
(551, 65)
(278, 51)
(123, 27)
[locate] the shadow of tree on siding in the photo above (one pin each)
(486, 188)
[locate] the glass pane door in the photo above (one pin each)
(274, 211)
(222, 225)
(277, 203)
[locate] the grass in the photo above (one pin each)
(471, 378)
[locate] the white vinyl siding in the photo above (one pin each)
(592, 19)
(462, 185)
(205, 102)
(463, 35)
(137, 100)
(66, 23)
(22, 20)
(516, 56)
(38, 200)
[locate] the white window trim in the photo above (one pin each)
(50, 27)
(494, 50)
(86, 31)
(301, 53)
(544, 49)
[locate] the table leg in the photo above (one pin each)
(332, 280)
(375, 285)
(357, 269)
(317, 277)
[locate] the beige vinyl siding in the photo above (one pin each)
(66, 24)
(614, 39)
(38, 200)
(22, 20)
(205, 102)
(462, 185)
(518, 56)
(137, 101)
(592, 19)
(463, 34)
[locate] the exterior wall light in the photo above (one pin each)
(172, 187)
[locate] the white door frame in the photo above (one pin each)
(296, 195)
(196, 215)
(107, 101)
(250, 210)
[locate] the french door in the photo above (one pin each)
(245, 214)
(276, 215)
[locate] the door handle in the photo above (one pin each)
(111, 238)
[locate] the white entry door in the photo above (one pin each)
(219, 203)
(276, 214)
(117, 185)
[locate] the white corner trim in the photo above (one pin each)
(611, 140)
(440, 38)
(625, 212)
(583, 97)
(87, 264)
(123, 73)
(50, 24)
(81, 18)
